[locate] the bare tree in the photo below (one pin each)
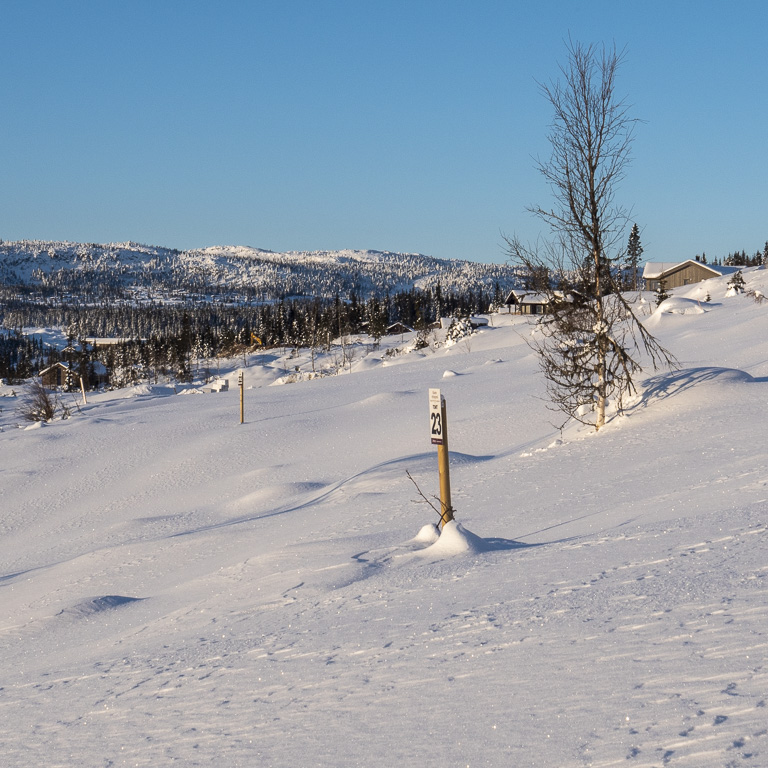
(589, 339)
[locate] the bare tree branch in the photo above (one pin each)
(437, 511)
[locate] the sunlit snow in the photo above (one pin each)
(178, 588)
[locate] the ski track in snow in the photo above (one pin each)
(180, 589)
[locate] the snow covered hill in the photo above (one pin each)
(142, 271)
(178, 588)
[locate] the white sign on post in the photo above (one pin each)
(435, 417)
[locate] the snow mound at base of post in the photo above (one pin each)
(455, 539)
(427, 535)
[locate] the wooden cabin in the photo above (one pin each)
(55, 376)
(527, 302)
(678, 274)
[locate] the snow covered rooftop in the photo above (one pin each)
(527, 297)
(653, 270)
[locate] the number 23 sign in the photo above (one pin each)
(436, 425)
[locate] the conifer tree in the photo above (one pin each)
(661, 292)
(737, 282)
(634, 252)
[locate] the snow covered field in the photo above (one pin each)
(177, 588)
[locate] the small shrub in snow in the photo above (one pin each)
(40, 405)
(459, 329)
(422, 340)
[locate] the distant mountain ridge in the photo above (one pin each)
(91, 270)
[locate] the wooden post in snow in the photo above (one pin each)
(82, 389)
(242, 403)
(438, 427)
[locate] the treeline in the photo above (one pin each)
(23, 356)
(739, 259)
(163, 339)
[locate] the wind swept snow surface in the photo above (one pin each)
(177, 588)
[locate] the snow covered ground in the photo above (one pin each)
(177, 588)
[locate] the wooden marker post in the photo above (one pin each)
(242, 403)
(82, 389)
(438, 430)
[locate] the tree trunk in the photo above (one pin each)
(601, 382)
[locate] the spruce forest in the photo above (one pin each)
(166, 312)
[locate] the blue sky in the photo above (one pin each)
(328, 124)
